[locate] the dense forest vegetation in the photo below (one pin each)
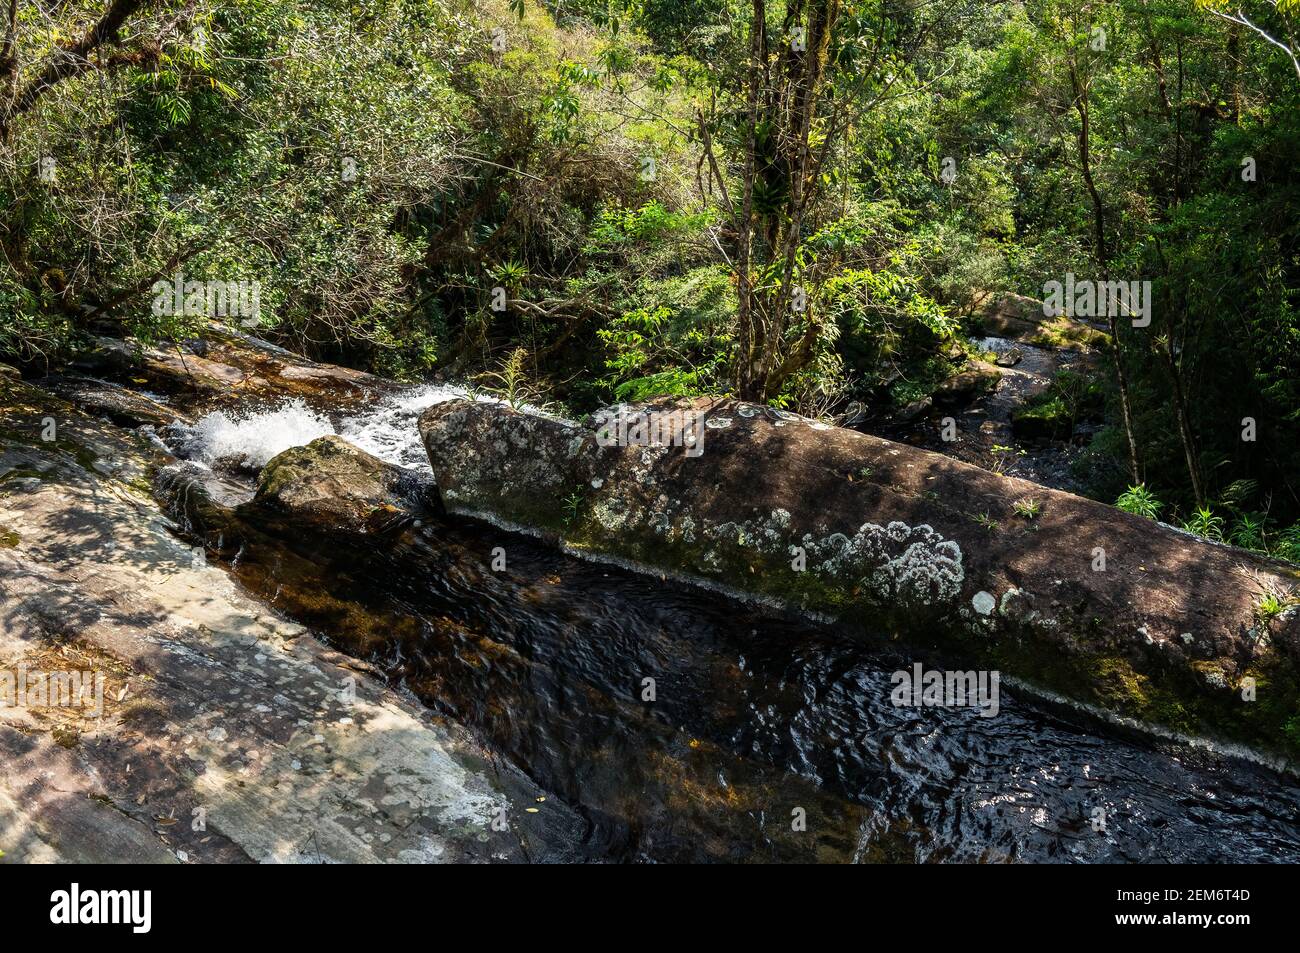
(807, 204)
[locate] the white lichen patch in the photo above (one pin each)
(687, 529)
(913, 565)
(611, 513)
(984, 602)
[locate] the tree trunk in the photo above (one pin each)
(1103, 259)
(1184, 427)
(749, 386)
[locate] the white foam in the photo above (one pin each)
(251, 440)
(387, 429)
(389, 432)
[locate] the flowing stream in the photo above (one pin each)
(761, 723)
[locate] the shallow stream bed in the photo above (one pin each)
(761, 736)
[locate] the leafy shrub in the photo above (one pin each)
(1139, 501)
(1205, 523)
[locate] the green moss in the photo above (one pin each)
(921, 380)
(1122, 688)
(1051, 409)
(1066, 333)
(8, 538)
(1178, 700)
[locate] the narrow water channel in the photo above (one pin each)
(769, 737)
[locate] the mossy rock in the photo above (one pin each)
(1046, 420)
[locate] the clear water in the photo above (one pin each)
(758, 718)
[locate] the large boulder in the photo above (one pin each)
(1067, 593)
(963, 387)
(1022, 319)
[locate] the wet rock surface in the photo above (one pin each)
(225, 368)
(226, 733)
(1164, 628)
(543, 656)
(335, 486)
(531, 672)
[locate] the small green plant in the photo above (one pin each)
(511, 274)
(572, 506)
(1205, 523)
(1139, 501)
(1003, 457)
(988, 522)
(1027, 507)
(510, 382)
(1248, 533)
(1287, 544)
(1271, 606)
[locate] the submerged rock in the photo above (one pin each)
(1068, 593)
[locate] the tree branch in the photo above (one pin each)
(68, 60)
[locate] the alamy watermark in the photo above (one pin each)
(652, 428)
(920, 688)
(133, 908)
(32, 688)
(208, 299)
(1085, 298)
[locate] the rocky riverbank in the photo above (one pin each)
(228, 732)
(222, 732)
(1070, 594)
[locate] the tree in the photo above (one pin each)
(1076, 31)
(812, 70)
(99, 47)
(1273, 21)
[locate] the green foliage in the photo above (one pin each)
(217, 148)
(1273, 604)
(1205, 523)
(1027, 507)
(512, 383)
(1288, 544)
(1139, 501)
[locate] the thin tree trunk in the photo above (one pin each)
(748, 386)
(1184, 428)
(1103, 260)
(1176, 382)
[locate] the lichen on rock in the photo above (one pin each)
(896, 538)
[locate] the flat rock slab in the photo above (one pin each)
(226, 367)
(1066, 592)
(225, 733)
